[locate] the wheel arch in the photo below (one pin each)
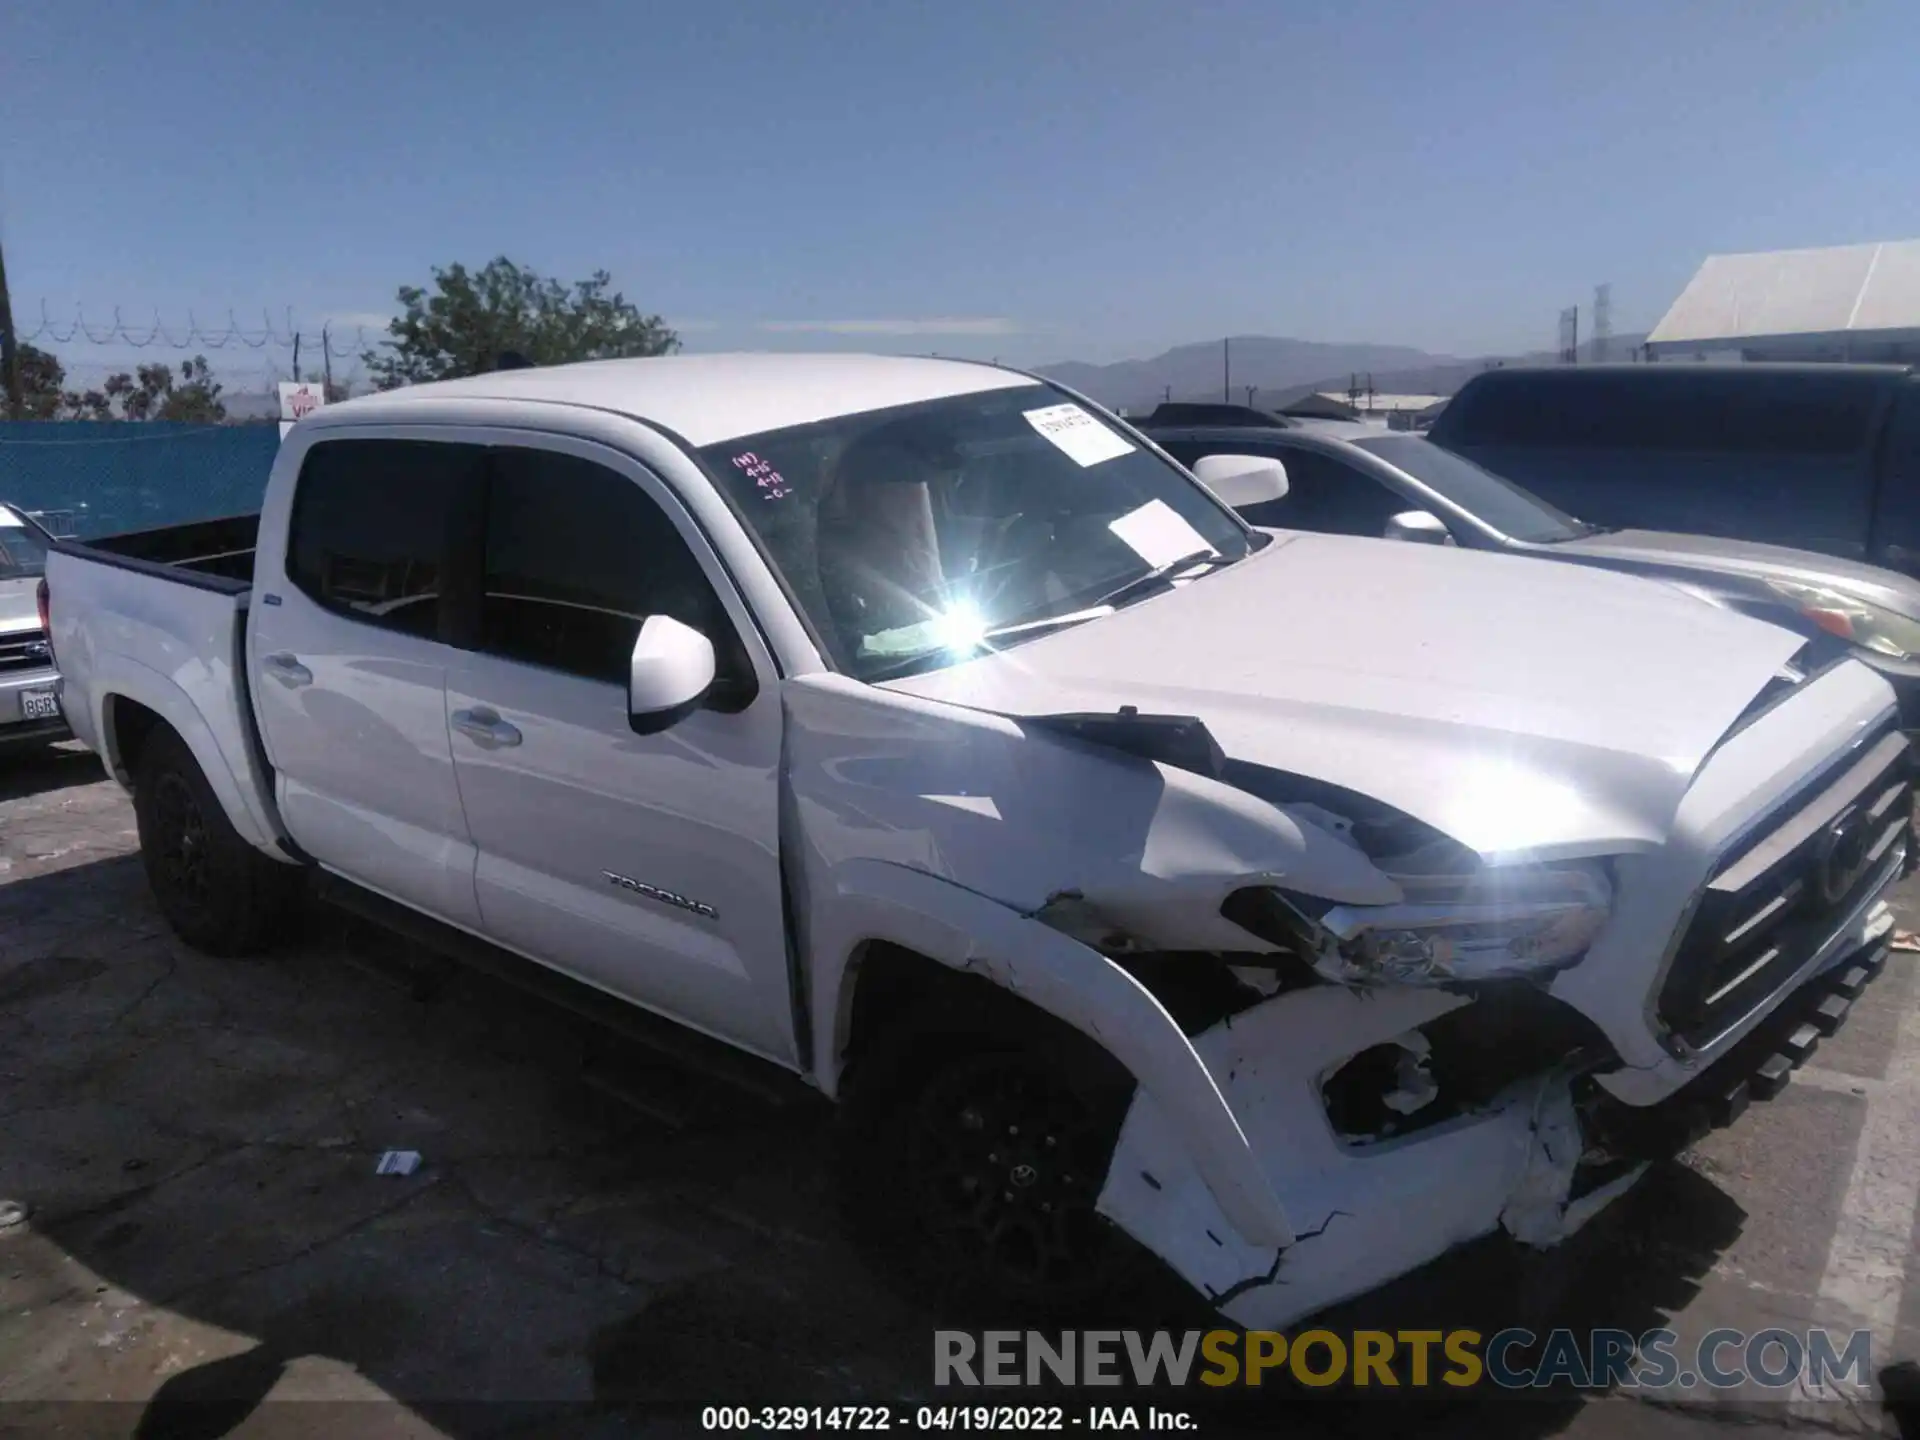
(133, 700)
(897, 929)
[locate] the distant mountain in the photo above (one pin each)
(1272, 363)
(1449, 376)
(1285, 370)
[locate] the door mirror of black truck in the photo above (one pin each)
(1422, 527)
(671, 671)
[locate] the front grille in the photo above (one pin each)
(1784, 891)
(24, 650)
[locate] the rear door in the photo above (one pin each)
(648, 865)
(348, 669)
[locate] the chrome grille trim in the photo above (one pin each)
(1780, 894)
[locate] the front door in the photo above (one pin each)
(348, 670)
(647, 865)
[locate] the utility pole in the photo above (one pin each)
(1226, 371)
(326, 365)
(1169, 393)
(9, 349)
(296, 357)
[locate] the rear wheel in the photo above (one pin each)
(977, 1156)
(216, 891)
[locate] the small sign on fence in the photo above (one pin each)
(298, 399)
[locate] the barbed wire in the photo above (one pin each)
(196, 336)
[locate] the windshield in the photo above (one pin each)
(1517, 513)
(22, 555)
(913, 537)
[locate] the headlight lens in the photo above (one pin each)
(1851, 618)
(1522, 920)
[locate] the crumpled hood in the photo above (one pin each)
(1523, 709)
(1750, 560)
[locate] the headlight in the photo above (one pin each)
(1866, 625)
(1523, 920)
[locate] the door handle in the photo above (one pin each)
(288, 671)
(485, 728)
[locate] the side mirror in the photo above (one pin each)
(669, 675)
(1242, 480)
(1422, 527)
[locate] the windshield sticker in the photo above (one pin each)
(1084, 439)
(1158, 533)
(772, 484)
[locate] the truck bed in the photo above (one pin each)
(158, 619)
(211, 554)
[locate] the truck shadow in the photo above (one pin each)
(39, 770)
(197, 1142)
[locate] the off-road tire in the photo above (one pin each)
(218, 893)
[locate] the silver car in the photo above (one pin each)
(29, 684)
(1361, 480)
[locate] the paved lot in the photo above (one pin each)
(208, 1238)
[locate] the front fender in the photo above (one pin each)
(871, 900)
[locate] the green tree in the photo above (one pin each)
(43, 382)
(152, 393)
(471, 317)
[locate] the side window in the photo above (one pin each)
(1327, 496)
(1897, 515)
(577, 557)
(370, 526)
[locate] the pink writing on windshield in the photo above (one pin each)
(772, 484)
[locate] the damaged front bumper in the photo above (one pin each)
(1362, 1214)
(1538, 1159)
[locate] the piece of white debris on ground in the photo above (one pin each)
(398, 1162)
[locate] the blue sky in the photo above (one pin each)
(1088, 179)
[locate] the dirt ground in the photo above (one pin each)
(207, 1243)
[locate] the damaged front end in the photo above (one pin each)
(1399, 1068)
(1393, 1124)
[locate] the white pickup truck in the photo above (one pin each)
(1298, 906)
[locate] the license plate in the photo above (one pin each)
(39, 705)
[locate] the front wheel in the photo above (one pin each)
(977, 1156)
(217, 892)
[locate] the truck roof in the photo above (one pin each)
(707, 398)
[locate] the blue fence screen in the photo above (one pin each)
(104, 478)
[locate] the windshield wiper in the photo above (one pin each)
(1157, 576)
(1105, 605)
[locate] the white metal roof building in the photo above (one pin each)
(1843, 302)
